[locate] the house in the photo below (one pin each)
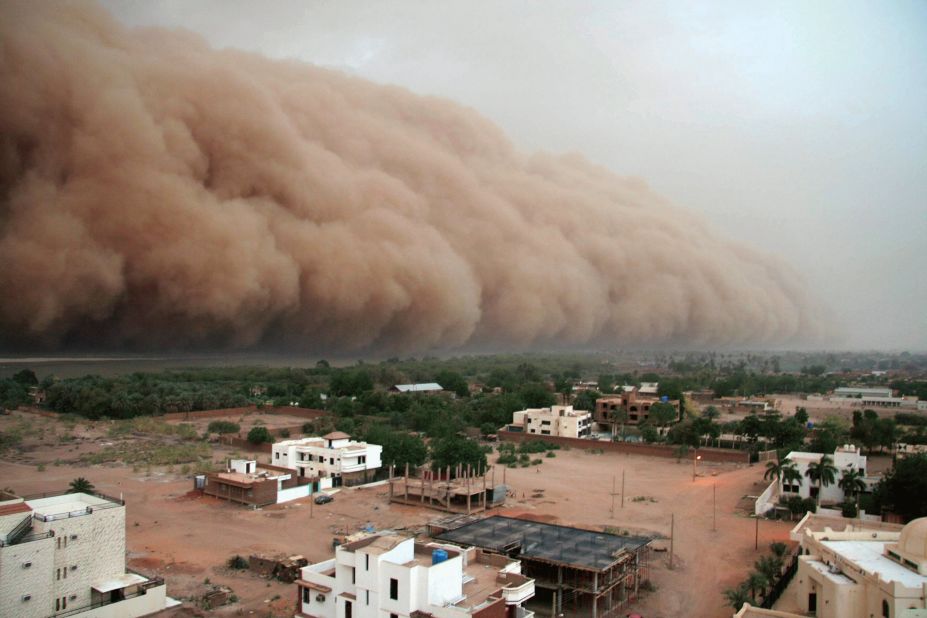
(247, 482)
(554, 421)
(846, 457)
(426, 388)
(65, 554)
(335, 458)
(390, 575)
(861, 571)
(631, 407)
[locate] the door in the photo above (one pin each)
(812, 603)
(347, 609)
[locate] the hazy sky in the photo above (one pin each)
(799, 128)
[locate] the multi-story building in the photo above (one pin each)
(65, 554)
(392, 576)
(334, 458)
(631, 406)
(861, 571)
(554, 421)
(846, 457)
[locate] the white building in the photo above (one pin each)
(391, 576)
(555, 421)
(846, 457)
(334, 457)
(66, 554)
(425, 387)
(853, 392)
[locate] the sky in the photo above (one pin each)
(798, 128)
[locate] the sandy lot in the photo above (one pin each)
(188, 538)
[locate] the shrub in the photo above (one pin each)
(259, 434)
(537, 462)
(284, 433)
(506, 458)
(848, 509)
(223, 427)
(550, 454)
(237, 562)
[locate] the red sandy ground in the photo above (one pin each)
(187, 538)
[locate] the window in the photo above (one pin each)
(307, 596)
(57, 574)
(331, 461)
(368, 597)
(366, 562)
(65, 574)
(362, 459)
(276, 455)
(353, 576)
(394, 589)
(57, 605)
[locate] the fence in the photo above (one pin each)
(305, 413)
(782, 583)
(632, 448)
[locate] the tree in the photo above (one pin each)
(779, 549)
(223, 427)
(453, 382)
(903, 490)
(801, 416)
(790, 474)
(769, 566)
(711, 413)
(585, 400)
(662, 413)
(453, 450)
(26, 377)
(80, 485)
(756, 583)
(259, 435)
(821, 472)
(851, 482)
(736, 597)
(773, 470)
(399, 448)
(535, 395)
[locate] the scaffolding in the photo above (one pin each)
(462, 490)
(594, 572)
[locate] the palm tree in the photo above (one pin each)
(756, 583)
(790, 474)
(823, 473)
(80, 485)
(852, 482)
(779, 549)
(769, 566)
(773, 470)
(736, 597)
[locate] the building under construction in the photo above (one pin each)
(467, 492)
(593, 573)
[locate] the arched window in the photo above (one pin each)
(886, 612)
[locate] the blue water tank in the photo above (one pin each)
(810, 425)
(664, 398)
(438, 556)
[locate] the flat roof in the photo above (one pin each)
(536, 540)
(118, 581)
(870, 556)
(67, 503)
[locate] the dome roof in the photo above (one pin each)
(913, 539)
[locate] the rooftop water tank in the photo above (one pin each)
(438, 556)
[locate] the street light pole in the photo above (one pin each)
(695, 459)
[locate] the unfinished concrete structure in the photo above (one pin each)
(596, 573)
(462, 490)
(247, 482)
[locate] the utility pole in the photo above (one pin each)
(672, 537)
(622, 488)
(756, 538)
(612, 510)
(714, 508)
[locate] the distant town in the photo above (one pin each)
(567, 484)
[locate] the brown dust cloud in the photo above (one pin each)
(156, 193)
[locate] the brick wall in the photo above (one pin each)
(633, 448)
(306, 413)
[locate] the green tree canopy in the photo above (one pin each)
(80, 485)
(259, 435)
(453, 450)
(904, 489)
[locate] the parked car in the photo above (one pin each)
(323, 499)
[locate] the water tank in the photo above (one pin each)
(438, 556)
(664, 398)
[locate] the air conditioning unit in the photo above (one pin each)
(27, 597)
(73, 537)
(26, 565)
(72, 597)
(73, 567)
(320, 598)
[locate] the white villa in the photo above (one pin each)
(555, 421)
(334, 458)
(392, 576)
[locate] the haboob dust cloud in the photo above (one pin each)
(157, 193)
